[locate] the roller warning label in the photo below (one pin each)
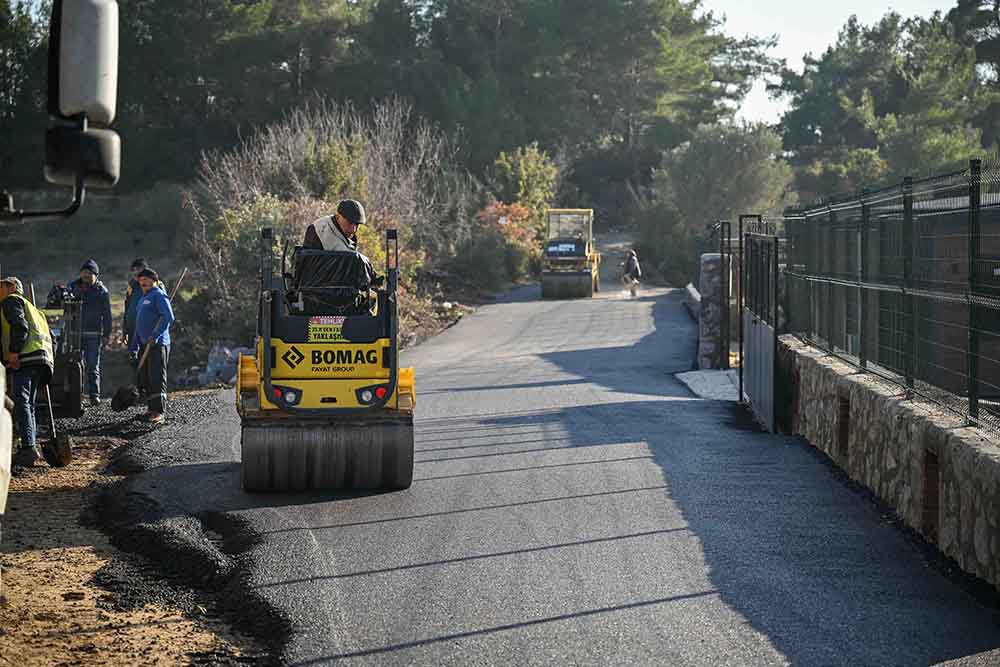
(326, 329)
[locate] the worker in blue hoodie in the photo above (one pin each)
(153, 318)
(95, 316)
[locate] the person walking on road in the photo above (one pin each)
(95, 316)
(153, 318)
(28, 356)
(633, 272)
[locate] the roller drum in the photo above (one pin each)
(299, 456)
(567, 286)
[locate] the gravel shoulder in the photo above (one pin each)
(71, 597)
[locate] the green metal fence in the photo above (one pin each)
(904, 282)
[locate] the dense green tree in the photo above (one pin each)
(977, 24)
(724, 170)
(528, 177)
(611, 83)
(22, 94)
(895, 98)
(174, 81)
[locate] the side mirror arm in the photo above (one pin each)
(8, 212)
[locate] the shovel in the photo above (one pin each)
(126, 397)
(57, 450)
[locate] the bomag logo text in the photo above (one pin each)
(342, 357)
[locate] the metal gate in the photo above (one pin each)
(759, 324)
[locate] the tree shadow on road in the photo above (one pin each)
(646, 366)
(808, 561)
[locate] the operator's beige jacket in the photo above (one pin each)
(329, 235)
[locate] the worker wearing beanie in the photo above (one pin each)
(95, 317)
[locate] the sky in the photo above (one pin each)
(802, 27)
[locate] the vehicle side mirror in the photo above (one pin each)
(80, 149)
(83, 60)
(91, 155)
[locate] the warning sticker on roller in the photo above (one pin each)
(326, 329)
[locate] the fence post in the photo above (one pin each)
(776, 296)
(786, 295)
(863, 280)
(816, 270)
(909, 250)
(832, 310)
(739, 304)
(975, 202)
(724, 297)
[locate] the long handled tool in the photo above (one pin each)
(57, 450)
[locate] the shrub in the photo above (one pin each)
(482, 260)
(291, 173)
(529, 177)
(502, 248)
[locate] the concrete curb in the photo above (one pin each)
(716, 385)
(692, 301)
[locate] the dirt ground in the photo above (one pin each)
(53, 613)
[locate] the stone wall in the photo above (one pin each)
(942, 477)
(710, 316)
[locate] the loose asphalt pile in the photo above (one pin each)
(150, 446)
(193, 561)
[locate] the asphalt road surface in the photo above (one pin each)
(574, 504)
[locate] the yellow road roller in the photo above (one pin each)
(570, 263)
(323, 404)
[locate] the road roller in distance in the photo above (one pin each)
(323, 404)
(570, 263)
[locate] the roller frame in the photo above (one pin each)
(296, 449)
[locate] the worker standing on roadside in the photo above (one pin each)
(27, 353)
(95, 317)
(153, 318)
(132, 294)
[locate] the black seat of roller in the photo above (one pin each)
(330, 283)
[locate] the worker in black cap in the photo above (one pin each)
(337, 232)
(153, 319)
(95, 314)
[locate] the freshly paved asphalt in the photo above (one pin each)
(574, 504)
